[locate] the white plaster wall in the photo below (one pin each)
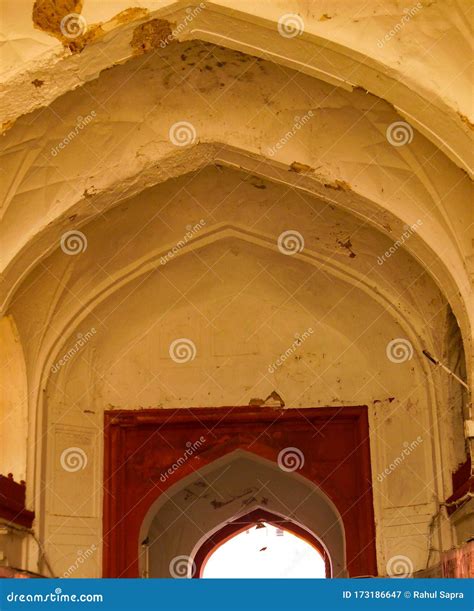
(416, 68)
(241, 301)
(132, 193)
(13, 402)
(117, 156)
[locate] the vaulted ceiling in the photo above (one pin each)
(345, 121)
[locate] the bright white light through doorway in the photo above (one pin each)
(264, 551)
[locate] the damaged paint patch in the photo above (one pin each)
(90, 191)
(338, 185)
(151, 35)
(273, 400)
(302, 168)
(465, 120)
(298, 167)
(8, 125)
(348, 246)
(130, 14)
(218, 504)
(48, 14)
(364, 90)
(62, 19)
(78, 44)
(256, 182)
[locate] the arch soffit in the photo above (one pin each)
(221, 463)
(314, 54)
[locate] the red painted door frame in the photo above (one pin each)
(142, 445)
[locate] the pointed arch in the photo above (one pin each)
(239, 486)
(240, 524)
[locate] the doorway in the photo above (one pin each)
(173, 478)
(265, 546)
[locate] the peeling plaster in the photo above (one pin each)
(47, 14)
(151, 35)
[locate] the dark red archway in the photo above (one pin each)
(243, 523)
(141, 445)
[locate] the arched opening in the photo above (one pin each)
(262, 545)
(179, 527)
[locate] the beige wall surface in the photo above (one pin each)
(205, 203)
